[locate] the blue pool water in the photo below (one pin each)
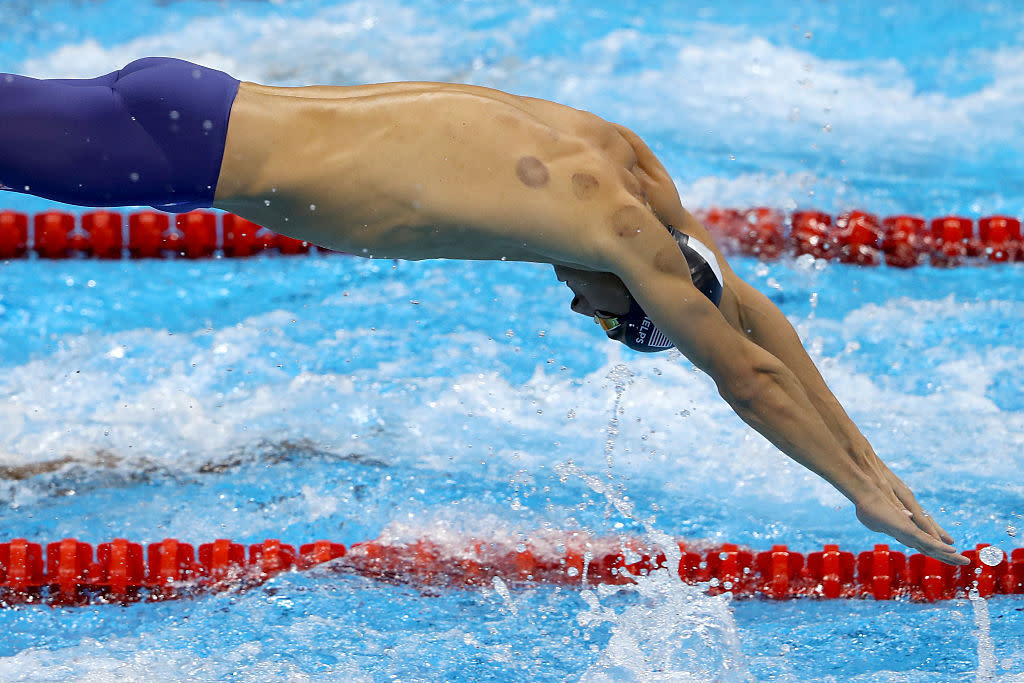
(330, 397)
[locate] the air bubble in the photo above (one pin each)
(175, 115)
(207, 124)
(991, 555)
(1011, 530)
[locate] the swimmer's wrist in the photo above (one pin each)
(851, 480)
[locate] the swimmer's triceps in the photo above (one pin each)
(764, 391)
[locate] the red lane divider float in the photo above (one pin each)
(855, 237)
(124, 572)
(860, 238)
(150, 234)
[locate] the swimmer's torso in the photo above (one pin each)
(353, 169)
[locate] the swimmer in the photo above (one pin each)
(435, 170)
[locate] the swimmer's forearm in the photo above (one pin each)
(767, 327)
(780, 410)
(762, 390)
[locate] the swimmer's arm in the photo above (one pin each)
(763, 390)
(752, 314)
(765, 325)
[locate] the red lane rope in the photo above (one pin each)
(150, 234)
(860, 238)
(69, 574)
(856, 237)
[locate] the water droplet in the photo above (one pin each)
(266, 202)
(991, 555)
(312, 207)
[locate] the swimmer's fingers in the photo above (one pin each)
(923, 520)
(910, 535)
(903, 498)
(886, 517)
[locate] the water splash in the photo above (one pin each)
(983, 632)
(674, 632)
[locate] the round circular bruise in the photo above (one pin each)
(584, 185)
(532, 172)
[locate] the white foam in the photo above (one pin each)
(674, 632)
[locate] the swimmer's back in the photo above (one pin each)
(353, 169)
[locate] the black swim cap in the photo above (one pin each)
(635, 329)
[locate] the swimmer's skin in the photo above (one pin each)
(425, 170)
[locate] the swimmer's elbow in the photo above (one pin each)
(750, 382)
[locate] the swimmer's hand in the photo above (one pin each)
(888, 506)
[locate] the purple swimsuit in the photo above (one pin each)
(152, 134)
